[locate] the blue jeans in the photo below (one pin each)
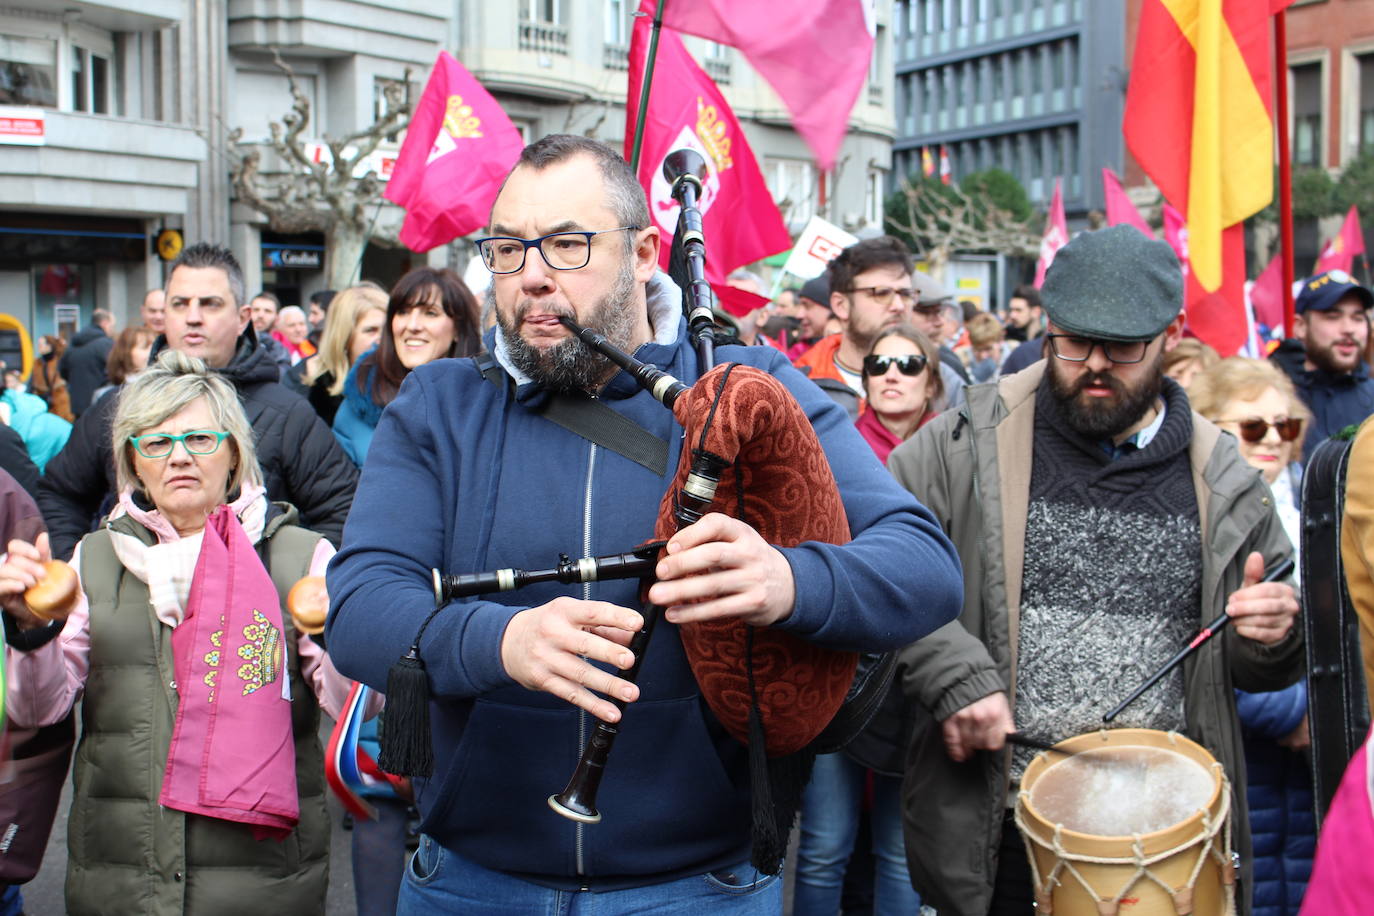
(379, 855)
(11, 900)
(829, 827)
(439, 881)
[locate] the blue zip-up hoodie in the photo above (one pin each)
(465, 477)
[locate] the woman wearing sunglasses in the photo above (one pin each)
(199, 776)
(899, 389)
(1254, 401)
(901, 380)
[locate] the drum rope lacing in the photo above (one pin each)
(1182, 897)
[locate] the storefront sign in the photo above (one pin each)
(21, 126)
(291, 259)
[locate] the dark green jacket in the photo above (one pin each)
(972, 468)
(126, 853)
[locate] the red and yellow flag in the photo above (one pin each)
(1198, 115)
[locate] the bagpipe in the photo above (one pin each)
(749, 452)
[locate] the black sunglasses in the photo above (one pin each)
(911, 364)
(1254, 429)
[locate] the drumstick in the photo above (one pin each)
(1035, 744)
(1282, 571)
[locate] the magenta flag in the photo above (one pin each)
(1266, 296)
(1119, 207)
(1056, 234)
(1339, 253)
(457, 151)
(814, 53)
(741, 223)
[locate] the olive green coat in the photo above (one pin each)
(126, 853)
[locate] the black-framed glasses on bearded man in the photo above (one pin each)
(1254, 429)
(1075, 349)
(196, 442)
(910, 364)
(883, 294)
(560, 250)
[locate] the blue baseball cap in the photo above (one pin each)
(1325, 290)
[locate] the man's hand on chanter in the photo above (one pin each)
(551, 647)
(720, 567)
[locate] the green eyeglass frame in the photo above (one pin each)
(195, 441)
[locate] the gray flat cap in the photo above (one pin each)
(1114, 284)
(928, 289)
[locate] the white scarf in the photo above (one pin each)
(168, 566)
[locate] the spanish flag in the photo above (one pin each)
(1198, 119)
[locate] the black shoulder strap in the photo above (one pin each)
(1338, 714)
(594, 421)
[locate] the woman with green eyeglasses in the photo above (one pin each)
(199, 777)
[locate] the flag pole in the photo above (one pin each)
(1285, 168)
(644, 86)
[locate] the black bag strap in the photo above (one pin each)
(593, 420)
(1338, 714)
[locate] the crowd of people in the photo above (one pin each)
(1043, 505)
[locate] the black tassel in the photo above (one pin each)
(406, 747)
(769, 845)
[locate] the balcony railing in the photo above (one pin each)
(615, 57)
(544, 37)
(718, 70)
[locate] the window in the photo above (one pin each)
(1307, 114)
(1366, 64)
(380, 86)
(28, 71)
(90, 81)
(550, 11)
(616, 22)
(792, 183)
(873, 199)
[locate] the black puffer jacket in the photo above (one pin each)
(83, 365)
(301, 460)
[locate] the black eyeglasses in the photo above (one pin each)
(1077, 349)
(560, 250)
(883, 294)
(1254, 429)
(911, 364)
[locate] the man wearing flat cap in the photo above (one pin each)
(1100, 523)
(1325, 357)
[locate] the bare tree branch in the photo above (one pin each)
(945, 219)
(312, 196)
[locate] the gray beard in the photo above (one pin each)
(570, 365)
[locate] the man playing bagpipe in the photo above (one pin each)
(478, 465)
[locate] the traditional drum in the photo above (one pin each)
(1131, 822)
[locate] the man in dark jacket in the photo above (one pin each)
(207, 317)
(467, 474)
(1326, 358)
(83, 365)
(14, 458)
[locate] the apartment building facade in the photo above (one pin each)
(115, 121)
